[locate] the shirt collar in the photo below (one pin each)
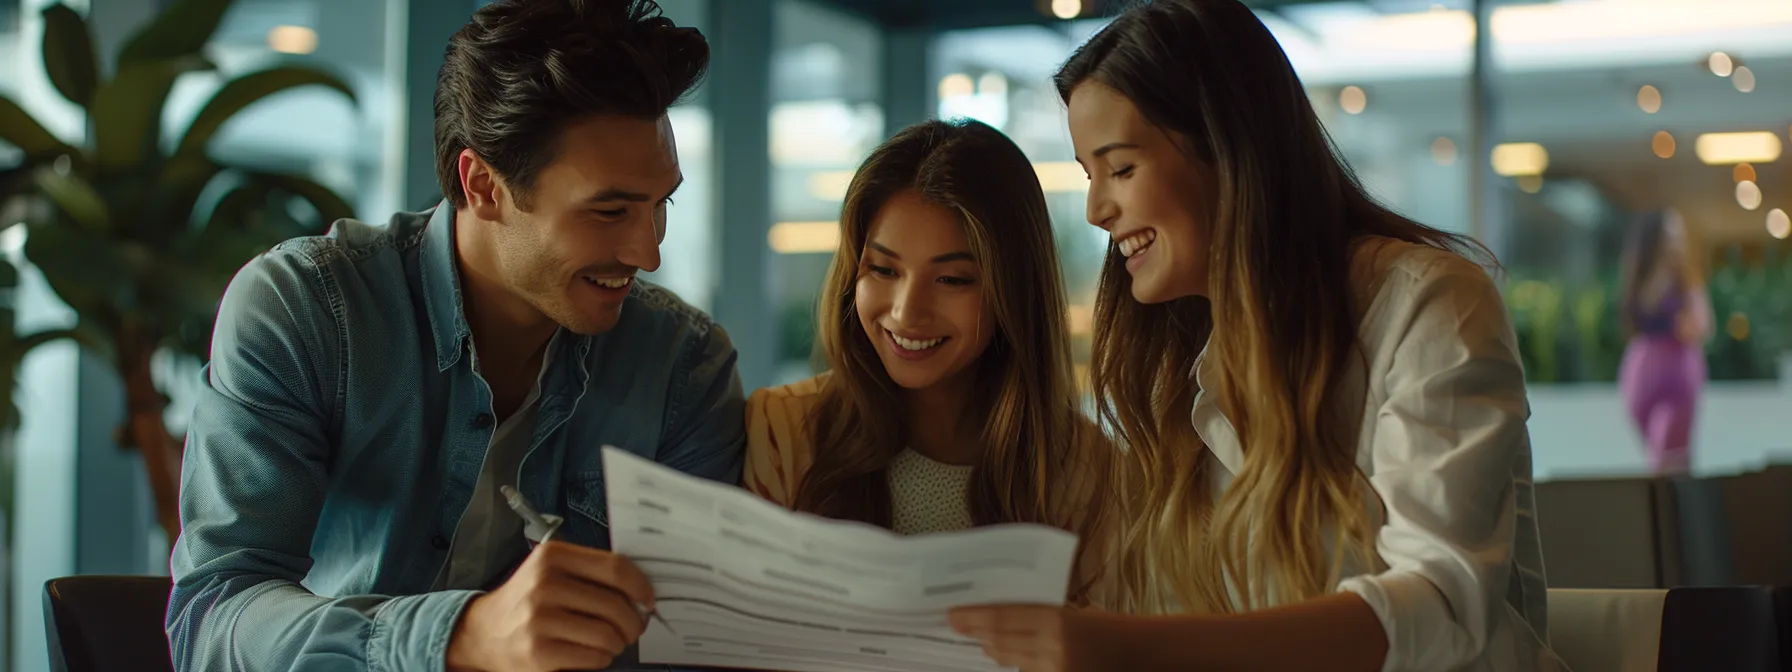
(441, 287)
(1210, 423)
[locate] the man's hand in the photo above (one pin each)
(566, 608)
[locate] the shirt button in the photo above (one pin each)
(440, 542)
(482, 421)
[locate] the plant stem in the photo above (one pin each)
(147, 429)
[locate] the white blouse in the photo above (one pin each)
(927, 495)
(1459, 578)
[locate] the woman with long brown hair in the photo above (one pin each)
(1321, 402)
(949, 400)
(1666, 314)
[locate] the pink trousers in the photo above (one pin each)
(1660, 379)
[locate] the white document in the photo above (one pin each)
(745, 583)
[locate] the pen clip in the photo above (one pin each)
(540, 533)
(537, 527)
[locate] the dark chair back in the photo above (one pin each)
(1759, 508)
(1604, 533)
(107, 623)
(1732, 629)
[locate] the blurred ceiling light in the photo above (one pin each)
(830, 185)
(1416, 31)
(1353, 100)
(1748, 195)
(1743, 173)
(1663, 144)
(1518, 159)
(1530, 184)
(1721, 64)
(1722, 149)
(1737, 325)
(804, 237)
(292, 39)
(1778, 224)
(1649, 98)
(955, 85)
(1061, 177)
(1443, 151)
(1567, 23)
(992, 83)
(1067, 9)
(1744, 79)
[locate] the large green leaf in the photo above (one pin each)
(245, 91)
(233, 212)
(330, 207)
(127, 111)
(68, 54)
(182, 181)
(181, 30)
(89, 272)
(18, 128)
(76, 197)
(188, 173)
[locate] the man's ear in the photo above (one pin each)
(484, 190)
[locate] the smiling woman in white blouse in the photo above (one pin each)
(1321, 401)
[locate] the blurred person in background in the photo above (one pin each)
(950, 400)
(1666, 313)
(373, 391)
(1321, 402)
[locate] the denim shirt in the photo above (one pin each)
(342, 428)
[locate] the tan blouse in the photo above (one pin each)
(926, 495)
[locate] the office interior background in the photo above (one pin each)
(1541, 129)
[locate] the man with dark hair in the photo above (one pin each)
(373, 391)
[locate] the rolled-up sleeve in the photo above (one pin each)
(1445, 441)
(252, 487)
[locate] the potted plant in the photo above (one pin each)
(119, 227)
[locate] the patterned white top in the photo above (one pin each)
(927, 495)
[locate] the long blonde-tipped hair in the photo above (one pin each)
(1036, 438)
(1278, 324)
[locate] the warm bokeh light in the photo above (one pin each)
(1663, 144)
(1649, 99)
(1353, 100)
(1748, 195)
(956, 85)
(1737, 325)
(1518, 159)
(1744, 79)
(1778, 224)
(1720, 64)
(1722, 149)
(830, 185)
(292, 39)
(1530, 184)
(1443, 151)
(1743, 173)
(1067, 9)
(804, 237)
(993, 84)
(1061, 177)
